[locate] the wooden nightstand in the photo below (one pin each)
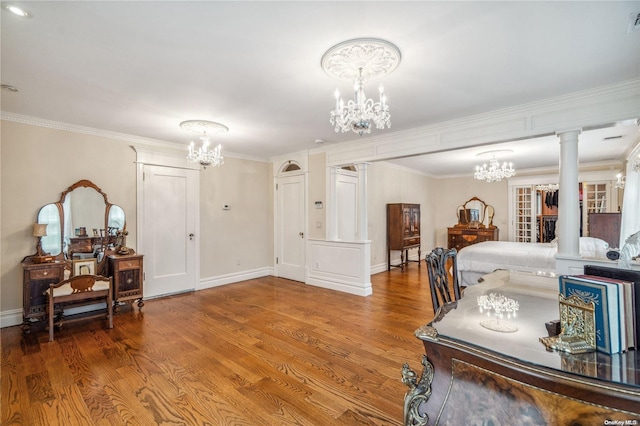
(128, 278)
(36, 278)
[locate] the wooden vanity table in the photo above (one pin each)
(475, 225)
(91, 210)
(473, 375)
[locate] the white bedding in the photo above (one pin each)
(483, 258)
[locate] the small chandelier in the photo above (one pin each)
(204, 155)
(359, 60)
(494, 172)
(549, 187)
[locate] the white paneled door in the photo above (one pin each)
(290, 224)
(169, 226)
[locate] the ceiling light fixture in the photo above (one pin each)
(204, 155)
(550, 187)
(17, 10)
(494, 172)
(359, 60)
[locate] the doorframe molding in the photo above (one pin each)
(279, 164)
(171, 159)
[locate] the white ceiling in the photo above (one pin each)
(140, 68)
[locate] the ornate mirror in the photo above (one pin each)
(475, 213)
(51, 215)
(82, 223)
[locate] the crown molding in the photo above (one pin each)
(587, 108)
(57, 125)
(134, 141)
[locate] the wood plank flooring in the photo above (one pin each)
(267, 351)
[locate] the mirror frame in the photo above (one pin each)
(469, 219)
(84, 183)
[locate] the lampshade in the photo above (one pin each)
(39, 229)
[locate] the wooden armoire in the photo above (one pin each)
(403, 231)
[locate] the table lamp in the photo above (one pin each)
(39, 231)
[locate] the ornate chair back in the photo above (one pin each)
(442, 268)
(80, 289)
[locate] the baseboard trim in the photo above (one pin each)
(234, 278)
(10, 318)
(343, 286)
(382, 267)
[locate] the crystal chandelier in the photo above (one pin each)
(549, 187)
(494, 172)
(204, 155)
(359, 60)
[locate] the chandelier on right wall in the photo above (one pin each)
(494, 172)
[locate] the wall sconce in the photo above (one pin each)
(620, 180)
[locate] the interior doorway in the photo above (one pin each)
(290, 235)
(169, 229)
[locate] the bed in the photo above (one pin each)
(476, 260)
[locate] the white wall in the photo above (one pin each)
(241, 238)
(389, 184)
(448, 194)
(39, 163)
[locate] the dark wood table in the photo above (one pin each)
(473, 375)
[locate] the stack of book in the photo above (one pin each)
(616, 313)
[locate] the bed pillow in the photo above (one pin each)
(593, 247)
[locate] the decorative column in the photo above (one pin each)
(332, 214)
(568, 229)
(363, 219)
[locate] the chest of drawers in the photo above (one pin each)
(460, 237)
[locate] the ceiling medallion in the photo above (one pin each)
(361, 57)
(359, 60)
(204, 155)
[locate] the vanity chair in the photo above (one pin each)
(77, 291)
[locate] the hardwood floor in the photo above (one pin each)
(267, 351)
